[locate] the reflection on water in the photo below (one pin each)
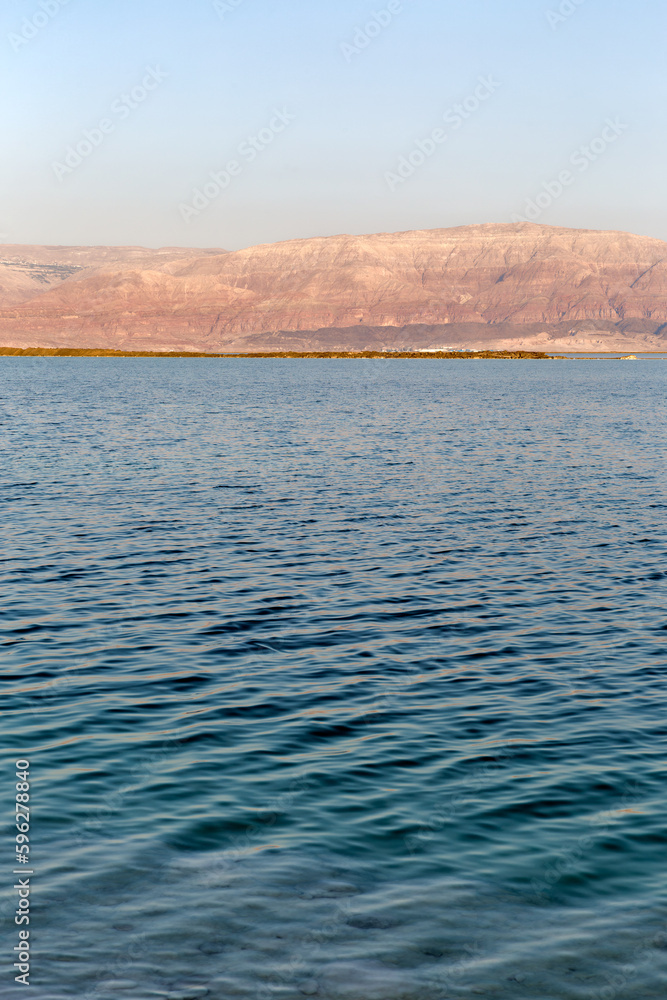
(338, 679)
(611, 356)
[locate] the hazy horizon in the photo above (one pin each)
(190, 246)
(233, 123)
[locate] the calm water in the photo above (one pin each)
(341, 679)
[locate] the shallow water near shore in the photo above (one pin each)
(343, 680)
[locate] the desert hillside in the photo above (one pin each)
(512, 287)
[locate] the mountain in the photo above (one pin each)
(490, 286)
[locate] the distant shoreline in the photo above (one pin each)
(67, 352)
(72, 352)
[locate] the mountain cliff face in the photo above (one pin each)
(505, 286)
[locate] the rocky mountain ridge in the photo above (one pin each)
(506, 287)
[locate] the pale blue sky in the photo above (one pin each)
(355, 113)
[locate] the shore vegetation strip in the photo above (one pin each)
(70, 352)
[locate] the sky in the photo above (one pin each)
(228, 123)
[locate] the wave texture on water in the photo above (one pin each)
(338, 679)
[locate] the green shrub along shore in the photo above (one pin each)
(70, 352)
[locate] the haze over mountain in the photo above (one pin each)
(502, 286)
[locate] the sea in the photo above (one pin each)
(341, 679)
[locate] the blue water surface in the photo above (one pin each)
(337, 678)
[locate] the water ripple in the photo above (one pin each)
(339, 682)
